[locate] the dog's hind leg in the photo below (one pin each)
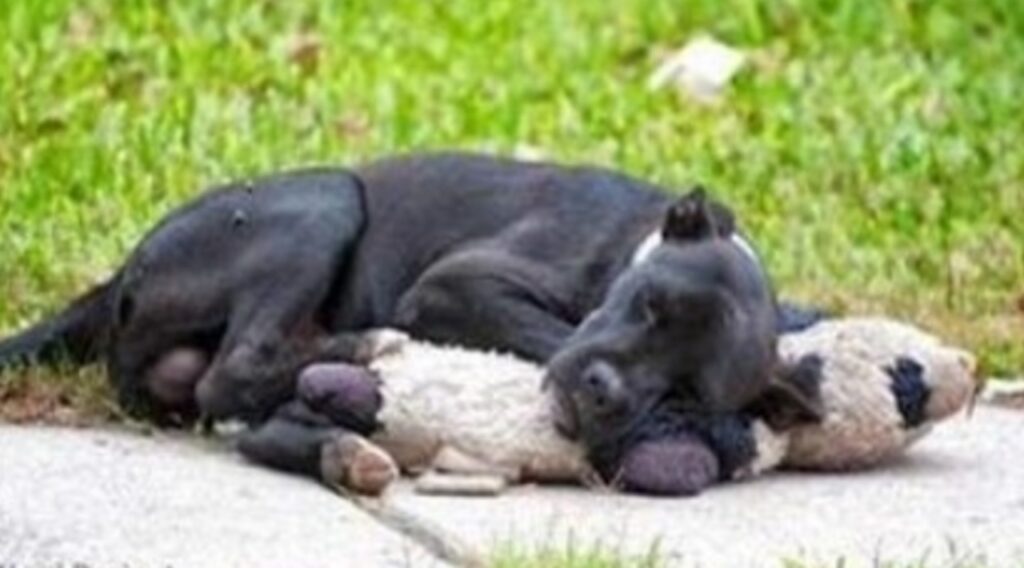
(243, 275)
(272, 333)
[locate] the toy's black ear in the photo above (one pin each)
(694, 217)
(794, 395)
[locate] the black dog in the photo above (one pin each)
(720, 283)
(258, 277)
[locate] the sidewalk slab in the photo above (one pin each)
(958, 494)
(111, 498)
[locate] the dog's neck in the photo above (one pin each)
(654, 239)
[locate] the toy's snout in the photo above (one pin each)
(952, 383)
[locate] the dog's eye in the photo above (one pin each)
(650, 313)
(648, 308)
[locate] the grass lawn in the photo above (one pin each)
(872, 148)
(573, 555)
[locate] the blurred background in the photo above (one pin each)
(872, 148)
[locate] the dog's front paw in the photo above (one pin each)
(352, 462)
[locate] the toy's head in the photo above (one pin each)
(883, 386)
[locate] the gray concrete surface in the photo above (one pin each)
(105, 498)
(959, 494)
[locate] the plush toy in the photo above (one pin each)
(452, 409)
(483, 420)
(882, 386)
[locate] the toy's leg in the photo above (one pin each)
(346, 395)
(479, 485)
(677, 466)
(455, 472)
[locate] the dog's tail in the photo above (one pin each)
(792, 318)
(79, 334)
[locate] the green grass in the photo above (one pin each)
(873, 148)
(573, 555)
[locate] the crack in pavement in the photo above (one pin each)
(443, 544)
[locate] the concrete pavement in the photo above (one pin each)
(106, 497)
(110, 498)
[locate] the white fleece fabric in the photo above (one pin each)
(461, 410)
(469, 411)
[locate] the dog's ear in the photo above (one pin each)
(695, 216)
(794, 395)
(688, 219)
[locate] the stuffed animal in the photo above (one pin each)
(882, 385)
(482, 418)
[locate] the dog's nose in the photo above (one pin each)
(603, 385)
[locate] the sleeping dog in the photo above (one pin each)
(323, 432)
(577, 265)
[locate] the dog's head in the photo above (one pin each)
(691, 326)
